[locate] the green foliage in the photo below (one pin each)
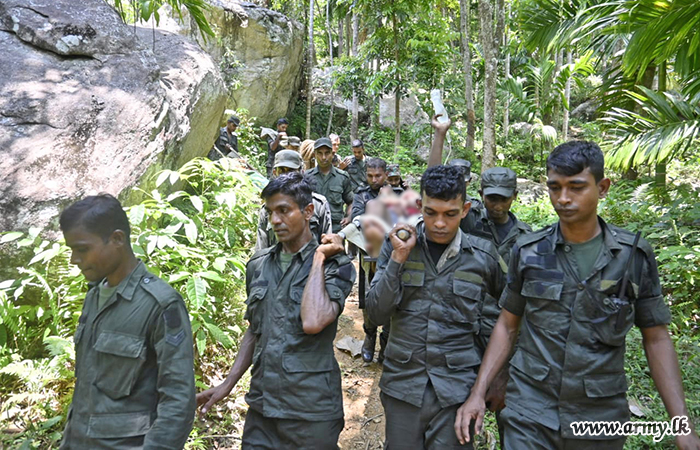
(145, 10)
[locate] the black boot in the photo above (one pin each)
(368, 347)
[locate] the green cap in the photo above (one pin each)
(322, 142)
(392, 170)
(499, 181)
(288, 158)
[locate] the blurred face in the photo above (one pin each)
(324, 157)
(95, 258)
(498, 206)
(282, 127)
(575, 198)
(376, 178)
(336, 144)
(395, 181)
(410, 202)
(231, 127)
(288, 221)
(442, 217)
(358, 152)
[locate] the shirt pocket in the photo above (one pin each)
(254, 310)
(311, 382)
(119, 358)
(544, 307)
(335, 195)
(467, 297)
(412, 280)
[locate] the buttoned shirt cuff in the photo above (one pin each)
(512, 302)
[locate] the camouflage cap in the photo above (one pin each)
(392, 170)
(294, 141)
(322, 142)
(288, 158)
(235, 120)
(499, 181)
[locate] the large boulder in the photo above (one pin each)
(260, 52)
(87, 105)
(410, 111)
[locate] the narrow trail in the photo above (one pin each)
(364, 415)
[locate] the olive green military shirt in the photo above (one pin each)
(320, 223)
(436, 316)
(294, 375)
(479, 224)
(134, 369)
(357, 170)
(569, 365)
(337, 189)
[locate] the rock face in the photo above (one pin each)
(260, 52)
(410, 112)
(87, 106)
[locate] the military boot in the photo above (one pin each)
(368, 346)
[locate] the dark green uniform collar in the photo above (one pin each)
(127, 286)
(304, 253)
(420, 230)
(609, 237)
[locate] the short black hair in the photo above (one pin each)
(443, 183)
(99, 214)
(358, 143)
(573, 157)
(376, 163)
(282, 121)
(294, 184)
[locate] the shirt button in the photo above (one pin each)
(567, 248)
(580, 287)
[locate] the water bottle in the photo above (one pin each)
(439, 108)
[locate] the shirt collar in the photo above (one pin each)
(127, 286)
(609, 236)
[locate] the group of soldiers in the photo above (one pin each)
(461, 286)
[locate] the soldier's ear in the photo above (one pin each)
(465, 209)
(118, 238)
(309, 211)
(603, 187)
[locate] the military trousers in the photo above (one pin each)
(263, 433)
(429, 427)
(521, 432)
(371, 329)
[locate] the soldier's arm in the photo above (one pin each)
(172, 341)
(262, 240)
(435, 157)
(358, 206)
(327, 287)
(386, 291)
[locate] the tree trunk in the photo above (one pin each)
(330, 55)
(660, 169)
(310, 70)
(341, 37)
(397, 91)
(506, 74)
(567, 96)
(490, 73)
(348, 36)
(354, 124)
(464, 8)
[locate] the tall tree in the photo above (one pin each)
(355, 102)
(465, 10)
(310, 70)
(567, 98)
(330, 56)
(489, 45)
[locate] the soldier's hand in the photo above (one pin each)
(439, 126)
(331, 244)
(345, 162)
(402, 248)
(211, 396)
(344, 222)
(496, 395)
(688, 442)
(472, 410)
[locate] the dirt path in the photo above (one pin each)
(364, 415)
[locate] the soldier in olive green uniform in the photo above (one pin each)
(376, 179)
(227, 142)
(566, 288)
(134, 361)
(332, 183)
(290, 161)
(356, 165)
(433, 287)
(296, 291)
(492, 219)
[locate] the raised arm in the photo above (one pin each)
(435, 157)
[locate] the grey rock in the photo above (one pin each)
(101, 118)
(586, 111)
(410, 112)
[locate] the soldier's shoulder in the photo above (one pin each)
(346, 270)
(522, 225)
(312, 171)
(483, 244)
(159, 290)
(258, 255)
(535, 236)
(626, 237)
(342, 173)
